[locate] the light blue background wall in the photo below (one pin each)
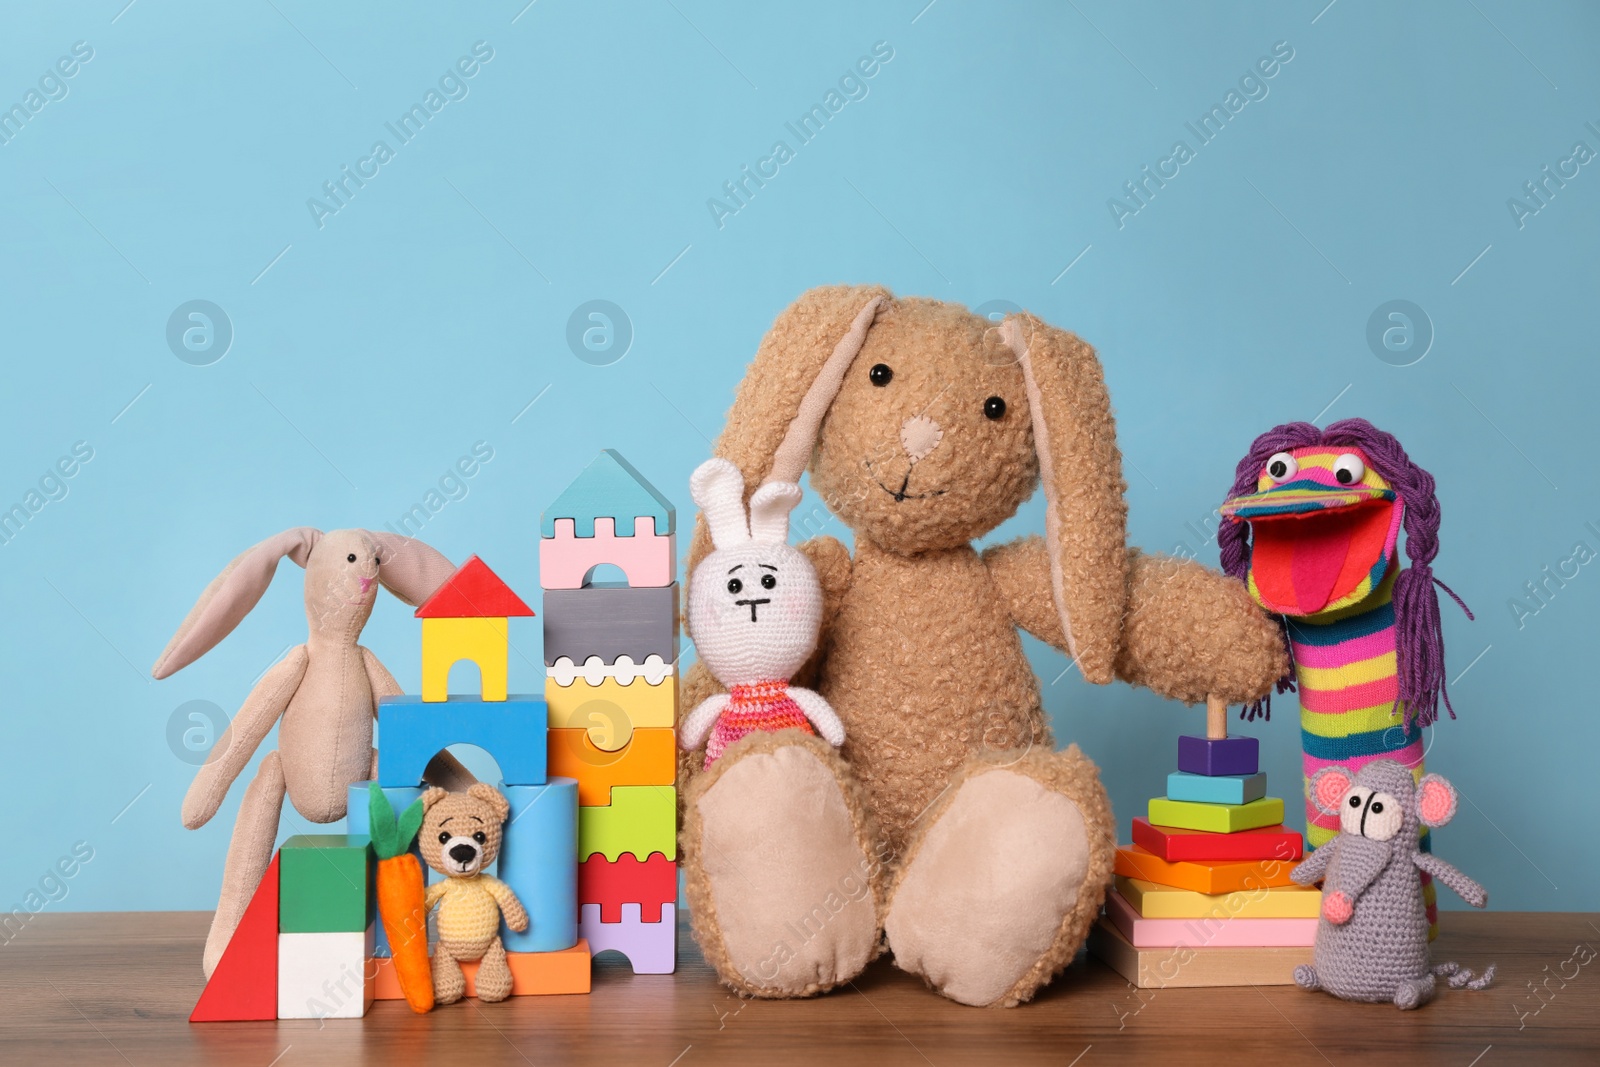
(427, 314)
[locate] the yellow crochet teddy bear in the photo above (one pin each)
(460, 837)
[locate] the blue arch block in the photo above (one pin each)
(539, 861)
(411, 732)
(358, 822)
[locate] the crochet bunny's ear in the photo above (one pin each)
(230, 596)
(1086, 517)
(769, 512)
(718, 490)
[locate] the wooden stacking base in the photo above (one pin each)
(1176, 968)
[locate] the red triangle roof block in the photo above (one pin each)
(474, 592)
(245, 984)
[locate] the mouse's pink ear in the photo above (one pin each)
(409, 569)
(1328, 788)
(230, 596)
(1436, 800)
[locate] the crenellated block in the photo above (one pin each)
(627, 880)
(651, 947)
(567, 561)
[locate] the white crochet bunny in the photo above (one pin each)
(755, 608)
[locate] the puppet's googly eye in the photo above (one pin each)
(1281, 467)
(1349, 469)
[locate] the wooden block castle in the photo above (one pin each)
(1203, 895)
(590, 847)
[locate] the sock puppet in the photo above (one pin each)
(1312, 526)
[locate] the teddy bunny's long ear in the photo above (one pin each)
(769, 512)
(1086, 517)
(230, 596)
(772, 427)
(409, 569)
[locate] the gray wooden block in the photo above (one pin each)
(611, 619)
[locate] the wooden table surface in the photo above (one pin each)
(117, 989)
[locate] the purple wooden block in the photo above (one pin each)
(1227, 755)
(652, 948)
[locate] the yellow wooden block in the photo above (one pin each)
(446, 642)
(651, 758)
(610, 711)
(1154, 901)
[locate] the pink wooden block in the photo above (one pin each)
(566, 559)
(1207, 933)
(651, 947)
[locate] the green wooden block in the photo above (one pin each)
(325, 884)
(1216, 818)
(640, 819)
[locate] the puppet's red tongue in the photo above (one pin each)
(1302, 562)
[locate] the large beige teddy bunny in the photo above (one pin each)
(947, 829)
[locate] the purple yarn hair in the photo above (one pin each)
(1419, 639)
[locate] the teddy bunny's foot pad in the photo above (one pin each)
(608, 620)
(782, 906)
(567, 561)
(998, 893)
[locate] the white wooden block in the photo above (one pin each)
(324, 976)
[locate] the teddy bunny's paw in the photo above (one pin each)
(782, 867)
(1337, 908)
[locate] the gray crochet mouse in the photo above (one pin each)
(1372, 939)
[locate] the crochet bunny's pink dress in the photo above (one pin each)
(762, 706)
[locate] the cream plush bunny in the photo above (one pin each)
(321, 695)
(756, 609)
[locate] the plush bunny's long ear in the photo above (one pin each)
(718, 490)
(769, 512)
(409, 569)
(772, 427)
(1086, 517)
(230, 596)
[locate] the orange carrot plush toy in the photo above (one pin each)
(400, 897)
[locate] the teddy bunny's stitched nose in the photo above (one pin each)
(463, 854)
(920, 435)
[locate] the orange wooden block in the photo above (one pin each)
(1135, 862)
(532, 973)
(650, 758)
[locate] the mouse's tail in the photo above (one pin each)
(1462, 977)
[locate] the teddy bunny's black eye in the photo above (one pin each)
(768, 581)
(1355, 802)
(444, 836)
(735, 586)
(480, 837)
(351, 558)
(881, 374)
(994, 408)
